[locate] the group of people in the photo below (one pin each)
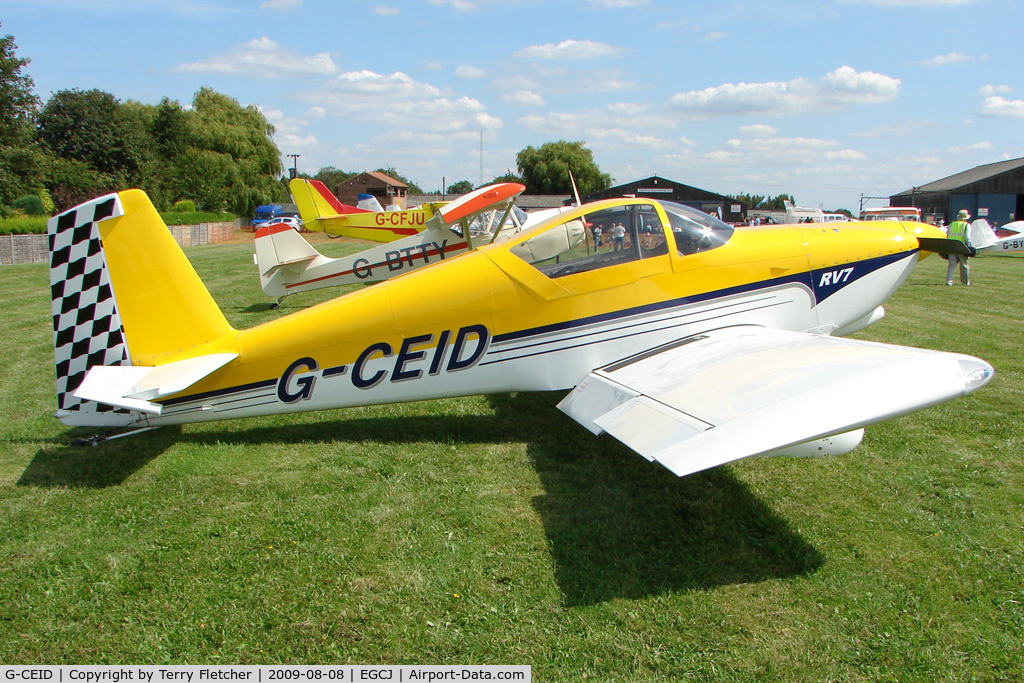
(618, 236)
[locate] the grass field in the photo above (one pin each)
(494, 530)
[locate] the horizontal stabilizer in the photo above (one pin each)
(944, 246)
(738, 392)
(280, 245)
(135, 387)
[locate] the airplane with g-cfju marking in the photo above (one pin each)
(692, 342)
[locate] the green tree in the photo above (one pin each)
(18, 105)
(546, 170)
(332, 177)
(509, 177)
(460, 187)
(238, 152)
(751, 201)
(91, 126)
(22, 164)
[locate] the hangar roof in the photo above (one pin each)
(969, 177)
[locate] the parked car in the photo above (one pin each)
(291, 221)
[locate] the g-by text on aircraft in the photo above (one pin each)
(692, 342)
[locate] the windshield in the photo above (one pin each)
(695, 230)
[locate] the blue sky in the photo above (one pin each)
(825, 99)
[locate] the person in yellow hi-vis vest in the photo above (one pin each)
(960, 230)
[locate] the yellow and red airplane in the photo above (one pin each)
(321, 211)
(288, 264)
(692, 342)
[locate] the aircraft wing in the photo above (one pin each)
(737, 392)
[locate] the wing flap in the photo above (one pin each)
(740, 392)
(135, 387)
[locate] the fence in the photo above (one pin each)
(19, 249)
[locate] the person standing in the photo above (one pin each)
(619, 236)
(960, 230)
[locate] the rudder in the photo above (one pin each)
(123, 294)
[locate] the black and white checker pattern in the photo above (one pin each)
(86, 325)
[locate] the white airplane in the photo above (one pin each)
(988, 241)
(288, 264)
(692, 342)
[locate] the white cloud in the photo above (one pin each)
(262, 58)
(838, 90)
(712, 36)
(281, 4)
(948, 59)
(523, 98)
(976, 147)
(1001, 108)
(894, 130)
(290, 141)
(758, 130)
(616, 127)
(989, 90)
(571, 49)
(386, 10)
(398, 102)
(469, 72)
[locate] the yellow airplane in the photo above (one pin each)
(692, 342)
(288, 264)
(321, 211)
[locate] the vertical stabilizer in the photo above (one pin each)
(123, 294)
(87, 327)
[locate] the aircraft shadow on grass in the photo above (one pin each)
(617, 526)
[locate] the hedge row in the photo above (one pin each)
(28, 225)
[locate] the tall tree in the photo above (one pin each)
(460, 187)
(22, 164)
(18, 104)
(546, 170)
(242, 137)
(90, 126)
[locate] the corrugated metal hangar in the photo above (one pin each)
(656, 187)
(994, 192)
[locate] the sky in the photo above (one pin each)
(832, 101)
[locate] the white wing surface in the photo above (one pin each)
(738, 392)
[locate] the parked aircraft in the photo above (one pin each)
(1006, 238)
(693, 343)
(321, 211)
(288, 264)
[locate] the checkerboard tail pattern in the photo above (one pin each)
(86, 325)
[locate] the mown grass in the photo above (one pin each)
(494, 530)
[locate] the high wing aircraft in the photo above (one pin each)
(693, 343)
(288, 264)
(321, 211)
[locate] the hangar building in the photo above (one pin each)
(994, 192)
(656, 187)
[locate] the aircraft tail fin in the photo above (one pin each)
(369, 203)
(123, 294)
(278, 247)
(316, 202)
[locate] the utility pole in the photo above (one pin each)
(295, 164)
